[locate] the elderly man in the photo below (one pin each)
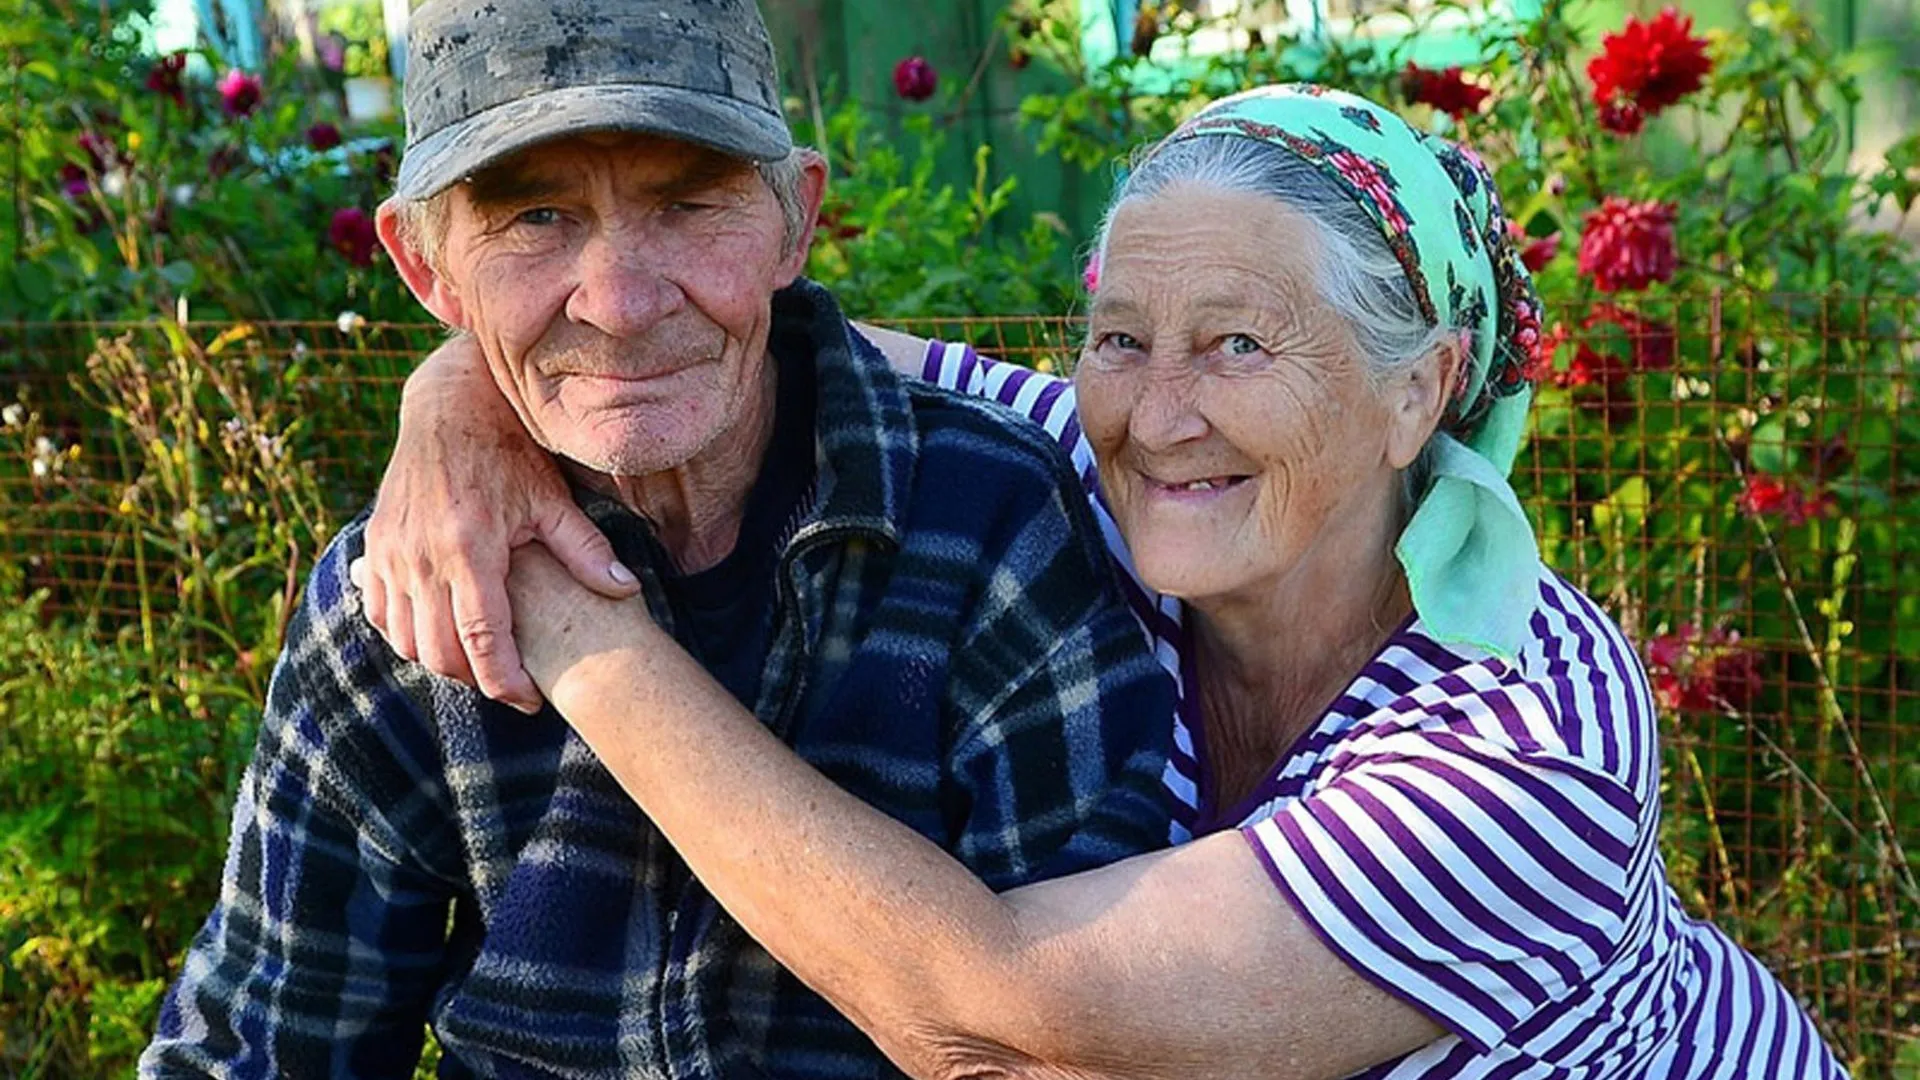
(902, 584)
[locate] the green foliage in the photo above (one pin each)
(176, 201)
(121, 737)
(894, 240)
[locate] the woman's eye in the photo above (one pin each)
(1119, 340)
(1239, 345)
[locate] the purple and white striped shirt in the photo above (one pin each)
(1478, 838)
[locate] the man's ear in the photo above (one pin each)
(813, 189)
(1419, 399)
(426, 283)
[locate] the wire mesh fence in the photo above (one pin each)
(1732, 475)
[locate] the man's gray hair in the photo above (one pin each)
(423, 222)
(1358, 275)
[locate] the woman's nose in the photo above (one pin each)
(1166, 410)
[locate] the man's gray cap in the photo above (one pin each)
(488, 78)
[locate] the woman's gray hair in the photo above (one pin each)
(1358, 275)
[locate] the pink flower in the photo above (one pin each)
(239, 92)
(1647, 67)
(1090, 277)
(1628, 245)
(914, 79)
(323, 136)
(352, 234)
(1448, 90)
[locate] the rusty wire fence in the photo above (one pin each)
(1735, 477)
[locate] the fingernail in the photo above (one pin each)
(621, 575)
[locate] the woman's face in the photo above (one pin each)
(1241, 442)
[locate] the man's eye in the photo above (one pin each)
(1239, 345)
(538, 217)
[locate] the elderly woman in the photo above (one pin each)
(1417, 778)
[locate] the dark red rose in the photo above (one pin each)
(1448, 90)
(1628, 245)
(73, 181)
(1734, 675)
(382, 162)
(1649, 66)
(352, 234)
(1535, 252)
(164, 77)
(323, 136)
(224, 160)
(100, 151)
(239, 92)
(914, 79)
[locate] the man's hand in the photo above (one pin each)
(466, 486)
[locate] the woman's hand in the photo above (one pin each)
(558, 623)
(466, 486)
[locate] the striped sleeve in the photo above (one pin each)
(1475, 881)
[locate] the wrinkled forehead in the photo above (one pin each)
(1208, 252)
(641, 165)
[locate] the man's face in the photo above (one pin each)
(620, 287)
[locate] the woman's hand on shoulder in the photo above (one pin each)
(465, 487)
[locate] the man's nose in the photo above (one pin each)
(621, 290)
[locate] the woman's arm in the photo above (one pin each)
(1182, 964)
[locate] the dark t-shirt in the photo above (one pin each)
(726, 611)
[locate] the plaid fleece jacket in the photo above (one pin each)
(949, 645)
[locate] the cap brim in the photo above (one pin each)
(462, 149)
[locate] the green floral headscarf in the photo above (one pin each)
(1469, 554)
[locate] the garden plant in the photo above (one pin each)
(200, 341)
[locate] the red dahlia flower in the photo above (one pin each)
(1651, 343)
(352, 234)
(1622, 117)
(914, 79)
(1448, 90)
(323, 136)
(1645, 68)
(1535, 252)
(239, 92)
(1692, 672)
(1627, 246)
(1770, 496)
(164, 77)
